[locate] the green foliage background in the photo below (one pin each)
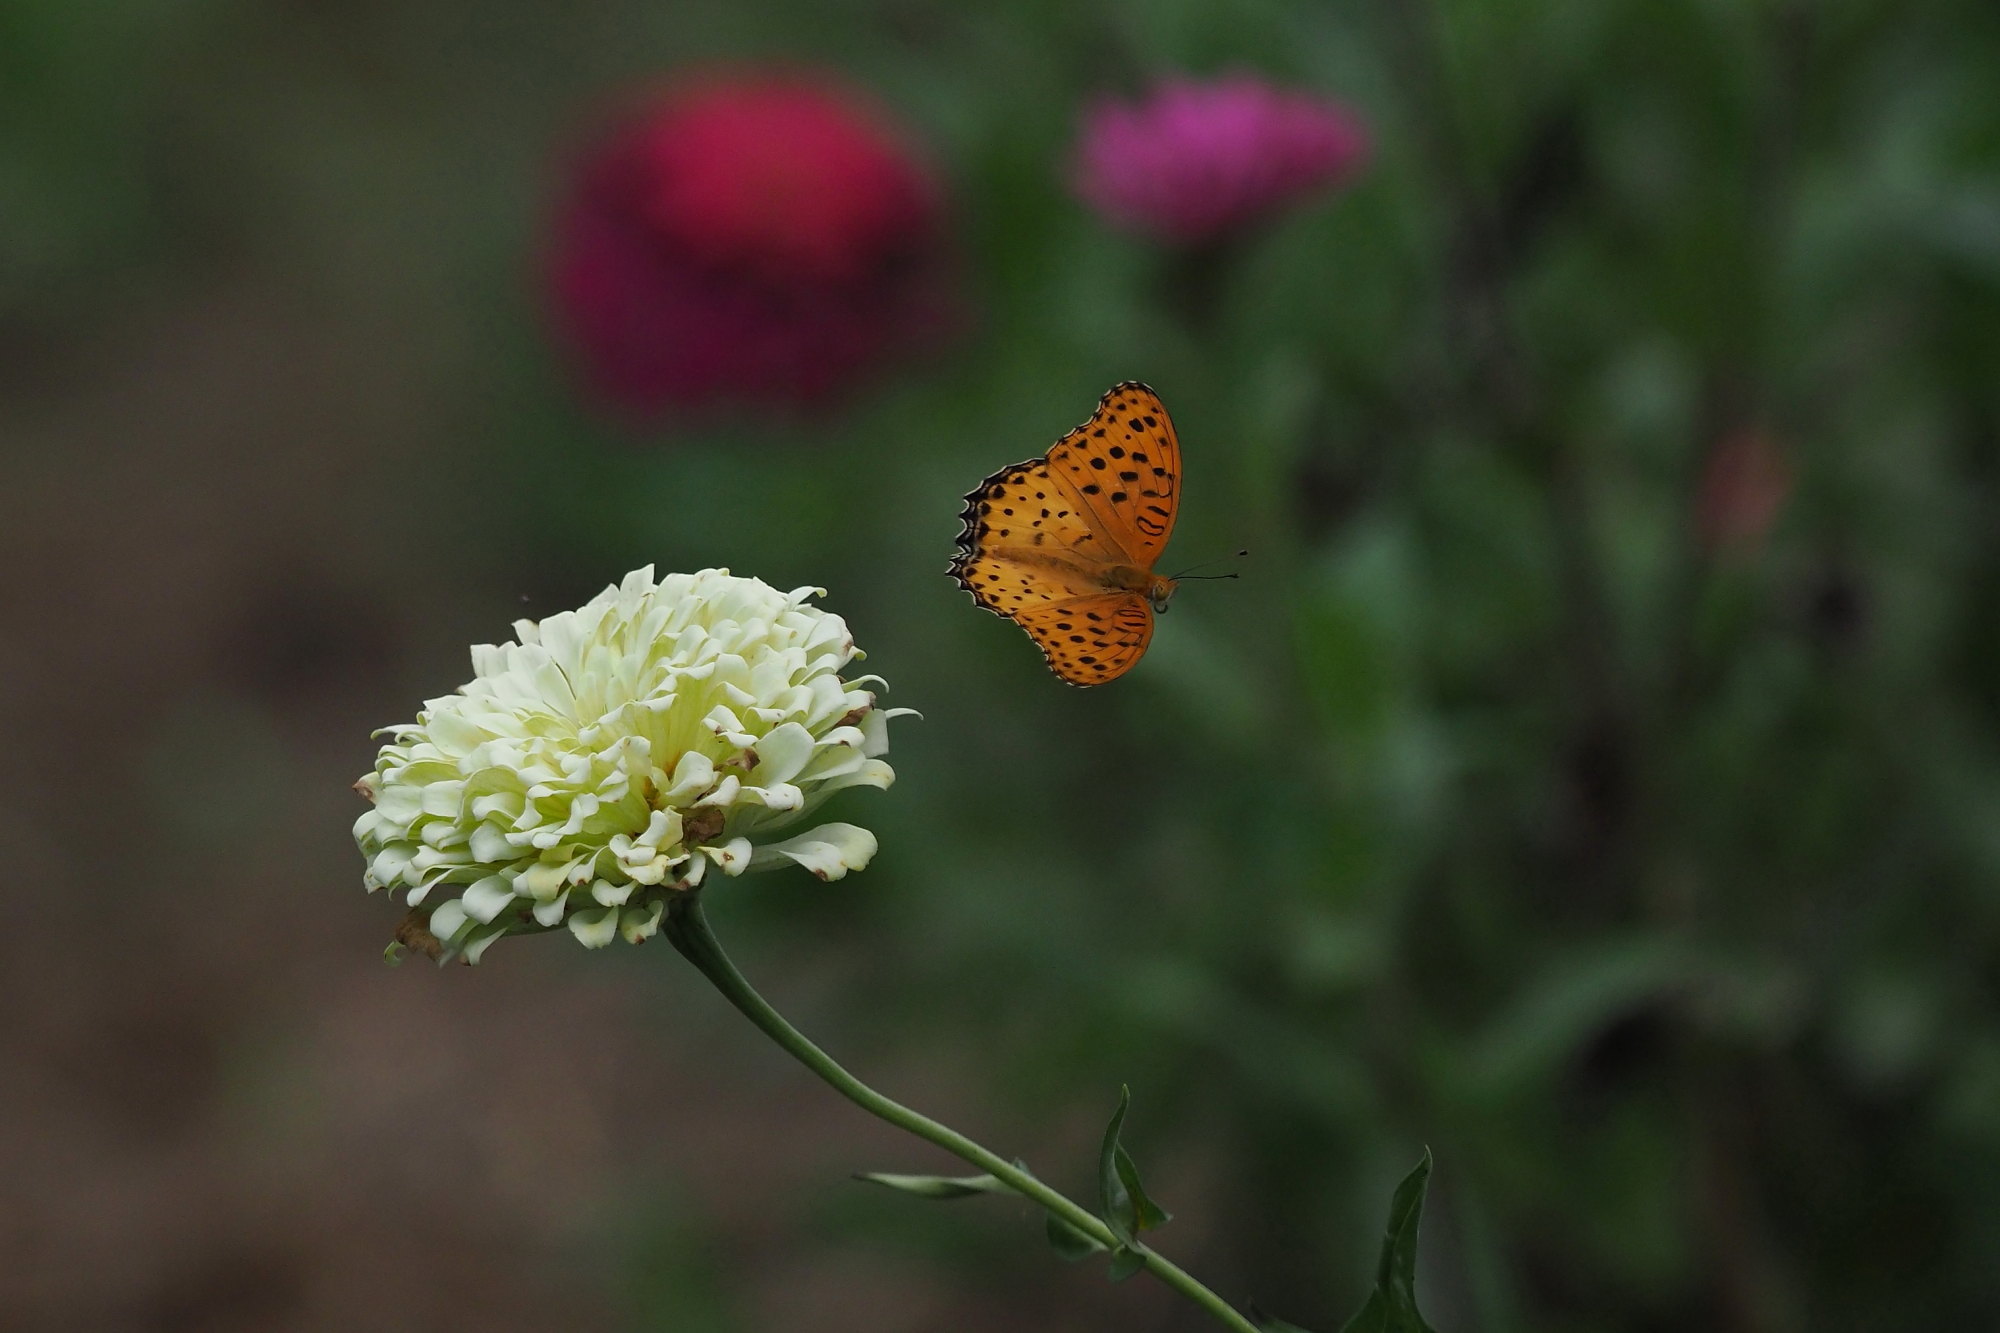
(1653, 887)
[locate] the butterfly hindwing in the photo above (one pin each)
(1090, 640)
(1125, 465)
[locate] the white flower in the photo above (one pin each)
(621, 753)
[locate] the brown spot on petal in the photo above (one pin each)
(361, 785)
(852, 717)
(746, 761)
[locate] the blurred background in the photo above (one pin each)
(1592, 776)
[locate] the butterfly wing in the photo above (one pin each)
(1125, 466)
(1015, 521)
(1090, 640)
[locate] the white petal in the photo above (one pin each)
(835, 760)
(389, 864)
(724, 793)
(871, 773)
(778, 796)
(663, 829)
(489, 844)
(447, 919)
(594, 927)
(416, 896)
(548, 913)
(782, 753)
(692, 775)
(732, 857)
(611, 895)
(476, 943)
(543, 880)
(829, 851)
(640, 923)
(488, 898)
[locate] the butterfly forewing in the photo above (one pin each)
(1017, 524)
(1091, 640)
(1125, 464)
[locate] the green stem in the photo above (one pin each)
(687, 926)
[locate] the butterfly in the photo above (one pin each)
(1064, 545)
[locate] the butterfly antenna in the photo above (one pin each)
(1190, 574)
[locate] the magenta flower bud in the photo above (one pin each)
(1193, 162)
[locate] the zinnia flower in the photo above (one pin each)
(1194, 162)
(620, 753)
(757, 238)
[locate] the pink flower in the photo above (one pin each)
(745, 238)
(1746, 482)
(1193, 162)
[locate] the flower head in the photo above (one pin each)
(618, 754)
(745, 238)
(1193, 161)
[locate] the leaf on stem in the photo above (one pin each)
(1127, 1209)
(1392, 1305)
(938, 1187)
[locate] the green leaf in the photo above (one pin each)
(1117, 1199)
(1125, 1262)
(1127, 1209)
(1392, 1306)
(1146, 1215)
(938, 1187)
(1070, 1243)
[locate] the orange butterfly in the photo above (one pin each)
(1064, 545)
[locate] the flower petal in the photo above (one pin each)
(594, 927)
(732, 857)
(782, 753)
(550, 912)
(829, 851)
(641, 923)
(488, 898)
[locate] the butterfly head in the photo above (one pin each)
(1160, 593)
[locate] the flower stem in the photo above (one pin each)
(687, 926)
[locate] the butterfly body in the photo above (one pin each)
(1064, 545)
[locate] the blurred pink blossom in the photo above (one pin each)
(1195, 161)
(746, 237)
(1745, 483)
